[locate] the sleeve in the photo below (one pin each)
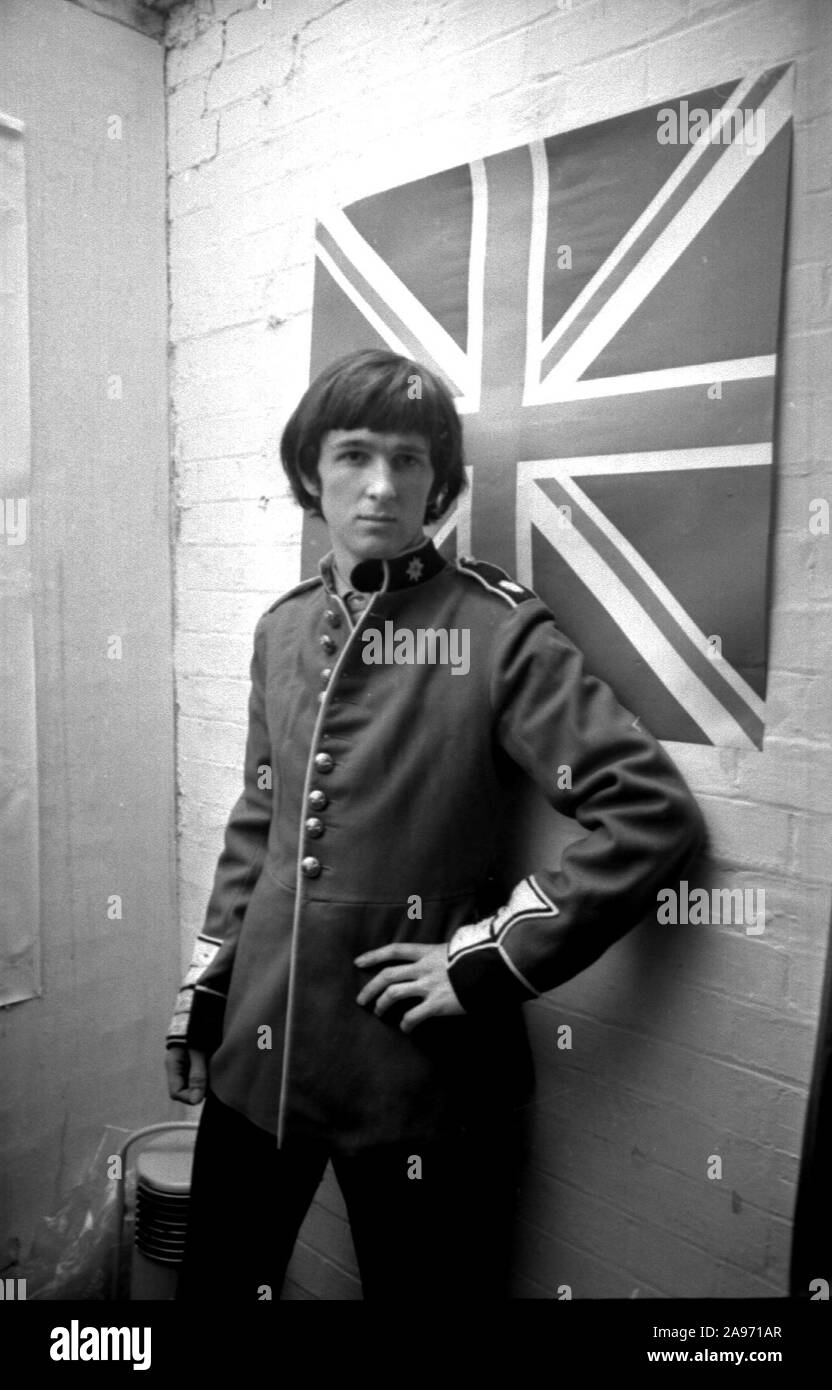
(594, 763)
(200, 1004)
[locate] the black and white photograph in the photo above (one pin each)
(416, 699)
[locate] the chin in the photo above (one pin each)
(382, 552)
(377, 548)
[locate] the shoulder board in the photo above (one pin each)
(493, 578)
(298, 589)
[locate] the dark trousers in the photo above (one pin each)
(428, 1221)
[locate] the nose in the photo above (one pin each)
(380, 479)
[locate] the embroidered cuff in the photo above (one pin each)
(196, 1023)
(483, 981)
(179, 1023)
(480, 968)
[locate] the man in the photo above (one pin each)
(356, 991)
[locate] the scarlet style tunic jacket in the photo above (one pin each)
(372, 811)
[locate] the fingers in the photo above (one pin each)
(394, 993)
(187, 1074)
(198, 1077)
(439, 1002)
(184, 1095)
(394, 974)
(414, 1017)
(176, 1066)
(396, 951)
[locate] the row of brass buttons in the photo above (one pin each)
(310, 866)
(318, 800)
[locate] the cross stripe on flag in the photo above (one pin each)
(604, 305)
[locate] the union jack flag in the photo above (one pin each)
(604, 305)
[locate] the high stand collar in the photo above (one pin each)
(401, 572)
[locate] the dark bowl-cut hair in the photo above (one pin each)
(380, 391)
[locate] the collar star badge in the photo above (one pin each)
(414, 569)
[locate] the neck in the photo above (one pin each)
(345, 561)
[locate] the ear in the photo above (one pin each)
(312, 485)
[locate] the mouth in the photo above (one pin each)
(379, 520)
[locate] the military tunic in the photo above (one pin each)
(378, 753)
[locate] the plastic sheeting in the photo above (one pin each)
(73, 1253)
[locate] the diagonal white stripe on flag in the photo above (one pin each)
(651, 212)
(459, 520)
(728, 456)
(669, 245)
(403, 303)
(534, 508)
(383, 329)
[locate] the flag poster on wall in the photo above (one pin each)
(604, 305)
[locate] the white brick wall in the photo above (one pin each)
(688, 1041)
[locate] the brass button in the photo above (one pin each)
(333, 618)
(325, 674)
(310, 867)
(318, 800)
(324, 762)
(314, 827)
(327, 643)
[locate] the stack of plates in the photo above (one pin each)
(163, 1178)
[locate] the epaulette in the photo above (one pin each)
(495, 579)
(298, 589)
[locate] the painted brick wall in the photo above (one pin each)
(688, 1041)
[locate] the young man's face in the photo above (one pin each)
(373, 493)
